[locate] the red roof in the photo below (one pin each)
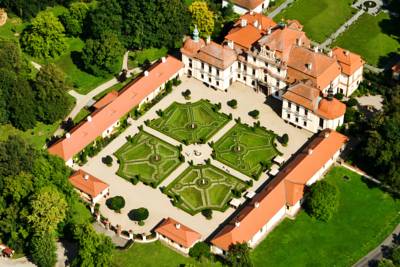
(107, 99)
(133, 94)
(286, 188)
(349, 61)
(87, 183)
(178, 232)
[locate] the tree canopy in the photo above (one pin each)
(43, 250)
(202, 17)
(239, 255)
(73, 18)
(44, 38)
(322, 200)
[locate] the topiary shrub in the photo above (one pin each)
(207, 213)
(108, 160)
(116, 203)
(352, 102)
(139, 214)
(322, 200)
(186, 94)
(232, 103)
(254, 113)
(284, 139)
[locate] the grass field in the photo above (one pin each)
(149, 157)
(365, 217)
(204, 187)
(320, 18)
(137, 58)
(244, 148)
(191, 122)
(154, 255)
(376, 39)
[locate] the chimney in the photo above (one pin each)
(237, 223)
(269, 30)
(146, 73)
(346, 52)
(208, 40)
(230, 44)
(298, 41)
(89, 118)
(251, 12)
(316, 49)
(163, 60)
(256, 204)
(178, 226)
(326, 134)
(68, 135)
(86, 177)
(330, 53)
(243, 22)
(310, 151)
(255, 23)
(309, 66)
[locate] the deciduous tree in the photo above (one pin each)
(43, 250)
(322, 200)
(239, 255)
(202, 17)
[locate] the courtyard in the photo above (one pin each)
(191, 122)
(204, 187)
(246, 149)
(148, 158)
(158, 203)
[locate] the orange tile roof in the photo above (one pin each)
(89, 185)
(248, 4)
(107, 99)
(251, 218)
(331, 109)
(182, 235)
(304, 95)
(309, 161)
(323, 70)
(286, 188)
(217, 55)
(349, 61)
(133, 94)
(262, 20)
(190, 47)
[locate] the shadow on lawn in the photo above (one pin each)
(390, 27)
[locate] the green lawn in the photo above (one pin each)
(153, 255)
(320, 18)
(365, 217)
(36, 136)
(244, 148)
(376, 39)
(137, 58)
(191, 122)
(204, 187)
(149, 157)
(83, 113)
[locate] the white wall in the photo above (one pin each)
(101, 195)
(240, 10)
(175, 245)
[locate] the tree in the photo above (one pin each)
(29, 9)
(116, 203)
(43, 250)
(94, 249)
(74, 17)
(200, 250)
(239, 255)
(395, 255)
(51, 97)
(48, 209)
(322, 200)
(44, 38)
(385, 263)
(100, 56)
(108, 160)
(207, 213)
(202, 17)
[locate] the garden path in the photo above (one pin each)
(280, 8)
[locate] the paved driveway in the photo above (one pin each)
(156, 202)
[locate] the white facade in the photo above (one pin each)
(348, 84)
(175, 245)
(241, 10)
(307, 119)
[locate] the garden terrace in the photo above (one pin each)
(191, 122)
(204, 187)
(148, 158)
(246, 149)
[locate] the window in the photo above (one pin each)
(245, 68)
(305, 123)
(202, 65)
(321, 122)
(209, 69)
(288, 116)
(217, 72)
(279, 70)
(254, 72)
(297, 108)
(277, 83)
(253, 83)
(297, 119)
(306, 112)
(244, 78)
(217, 83)
(266, 64)
(202, 76)
(238, 76)
(239, 65)
(289, 104)
(209, 79)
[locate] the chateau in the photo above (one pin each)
(279, 60)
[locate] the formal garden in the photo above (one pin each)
(147, 159)
(191, 122)
(204, 187)
(249, 150)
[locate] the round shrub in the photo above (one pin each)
(352, 102)
(139, 214)
(108, 160)
(207, 213)
(322, 200)
(285, 139)
(254, 113)
(232, 103)
(200, 250)
(116, 203)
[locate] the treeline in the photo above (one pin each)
(26, 98)
(38, 205)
